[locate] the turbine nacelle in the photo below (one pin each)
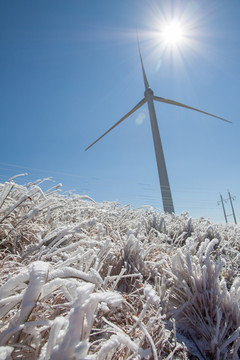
(148, 92)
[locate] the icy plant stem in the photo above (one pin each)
(37, 279)
(6, 190)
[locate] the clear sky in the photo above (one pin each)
(70, 69)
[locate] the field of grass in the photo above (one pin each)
(87, 280)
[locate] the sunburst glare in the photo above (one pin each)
(172, 33)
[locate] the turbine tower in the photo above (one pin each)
(161, 164)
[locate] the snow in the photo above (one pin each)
(83, 280)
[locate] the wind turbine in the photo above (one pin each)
(161, 165)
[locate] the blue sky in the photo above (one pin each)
(70, 69)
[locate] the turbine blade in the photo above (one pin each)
(117, 123)
(143, 70)
(172, 102)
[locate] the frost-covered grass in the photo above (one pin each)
(87, 280)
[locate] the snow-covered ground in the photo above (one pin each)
(87, 280)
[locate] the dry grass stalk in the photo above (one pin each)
(82, 280)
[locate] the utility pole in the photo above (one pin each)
(221, 201)
(230, 199)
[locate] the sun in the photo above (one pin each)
(173, 33)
